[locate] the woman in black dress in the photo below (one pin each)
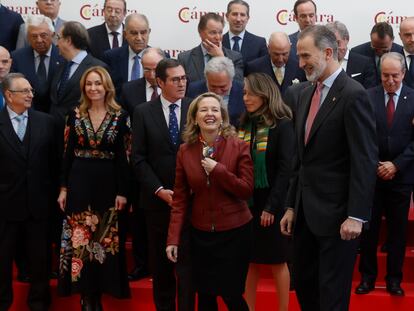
(268, 128)
(93, 191)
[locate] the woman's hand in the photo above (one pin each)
(266, 219)
(172, 252)
(120, 202)
(62, 199)
(208, 164)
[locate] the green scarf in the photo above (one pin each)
(258, 148)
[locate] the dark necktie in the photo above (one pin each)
(173, 124)
(115, 42)
(236, 46)
(411, 67)
(42, 75)
(136, 68)
(1, 101)
(390, 109)
(64, 79)
(154, 94)
(313, 109)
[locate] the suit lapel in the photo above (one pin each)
(35, 132)
(380, 109)
(226, 40)
(7, 131)
(198, 60)
(158, 116)
(74, 79)
(301, 114)
(401, 106)
(124, 63)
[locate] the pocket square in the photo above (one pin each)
(356, 74)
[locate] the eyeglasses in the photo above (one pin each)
(177, 80)
(24, 91)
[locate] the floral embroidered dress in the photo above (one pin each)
(95, 171)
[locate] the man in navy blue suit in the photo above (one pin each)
(125, 62)
(238, 38)
(219, 75)
(39, 61)
(357, 66)
(5, 64)
(109, 35)
(382, 41)
(305, 15)
(394, 106)
(278, 64)
(9, 24)
(407, 38)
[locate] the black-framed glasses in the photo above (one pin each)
(24, 91)
(177, 80)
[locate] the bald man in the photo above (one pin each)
(283, 69)
(407, 38)
(5, 64)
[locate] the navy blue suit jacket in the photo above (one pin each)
(235, 105)
(361, 69)
(366, 50)
(99, 41)
(408, 79)
(252, 46)
(264, 65)
(397, 143)
(293, 37)
(133, 93)
(117, 60)
(24, 62)
(9, 24)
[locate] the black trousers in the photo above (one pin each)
(34, 234)
(394, 202)
(323, 269)
(138, 231)
(168, 284)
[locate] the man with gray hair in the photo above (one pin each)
(219, 78)
(38, 61)
(357, 66)
(394, 107)
(5, 64)
(334, 175)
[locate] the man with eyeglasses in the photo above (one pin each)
(5, 64)
(109, 35)
(49, 8)
(157, 129)
(27, 152)
(39, 61)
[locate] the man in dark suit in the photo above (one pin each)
(108, 35)
(5, 64)
(394, 106)
(210, 29)
(278, 64)
(9, 24)
(382, 41)
(219, 74)
(49, 8)
(26, 174)
(407, 38)
(156, 138)
(305, 15)
(238, 38)
(357, 66)
(334, 177)
(64, 90)
(38, 62)
(125, 62)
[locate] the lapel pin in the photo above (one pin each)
(333, 99)
(405, 97)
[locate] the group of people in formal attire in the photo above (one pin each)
(222, 156)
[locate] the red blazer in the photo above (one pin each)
(221, 205)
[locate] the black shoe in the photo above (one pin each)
(87, 303)
(364, 288)
(137, 274)
(24, 278)
(395, 289)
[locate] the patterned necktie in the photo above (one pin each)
(64, 79)
(136, 68)
(115, 42)
(236, 46)
(390, 109)
(411, 67)
(173, 124)
(154, 94)
(279, 75)
(21, 127)
(313, 109)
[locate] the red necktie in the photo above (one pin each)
(390, 109)
(154, 94)
(313, 109)
(115, 42)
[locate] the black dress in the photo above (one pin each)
(95, 171)
(269, 245)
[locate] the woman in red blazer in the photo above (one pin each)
(214, 178)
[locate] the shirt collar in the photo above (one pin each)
(204, 50)
(397, 92)
(165, 103)
(13, 114)
(132, 53)
(48, 53)
(346, 55)
(80, 57)
(241, 35)
(331, 79)
(119, 30)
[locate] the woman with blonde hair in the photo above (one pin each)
(268, 129)
(214, 178)
(94, 187)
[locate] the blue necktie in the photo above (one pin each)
(21, 128)
(236, 46)
(136, 68)
(173, 124)
(1, 101)
(64, 79)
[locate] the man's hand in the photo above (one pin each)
(213, 49)
(350, 229)
(166, 195)
(386, 170)
(286, 224)
(172, 252)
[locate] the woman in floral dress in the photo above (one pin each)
(93, 190)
